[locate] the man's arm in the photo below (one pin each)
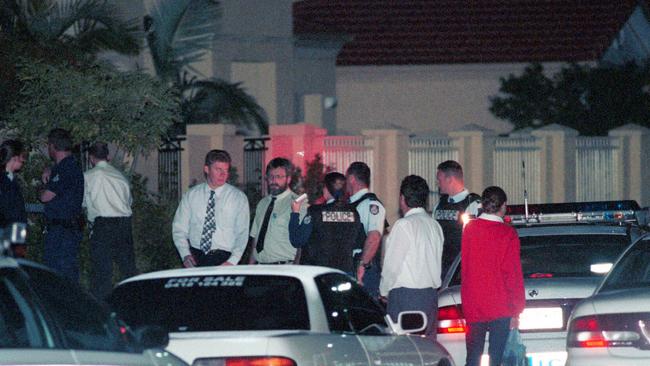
(242, 220)
(181, 231)
(396, 248)
(370, 247)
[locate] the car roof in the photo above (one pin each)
(301, 272)
(572, 229)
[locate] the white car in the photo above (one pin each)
(282, 315)
(612, 327)
(564, 257)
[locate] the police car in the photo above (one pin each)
(46, 320)
(268, 315)
(612, 327)
(566, 250)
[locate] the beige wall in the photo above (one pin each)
(439, 98)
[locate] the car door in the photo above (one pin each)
(24, 333)
(89, 330)
(358, 314)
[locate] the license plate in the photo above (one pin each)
(541, 318)
(537, 359)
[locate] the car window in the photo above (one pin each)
(214, 303)
(21, 322)
(84, 323)
(633, 270)
(348, 307)
(566, 255)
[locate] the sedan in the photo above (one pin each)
(273, 315)
(612, 327)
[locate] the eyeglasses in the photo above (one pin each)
(275, 177)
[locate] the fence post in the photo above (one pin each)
(391, 165)
(635, 156)
(558, 163)
(476, 156)
(201, 138)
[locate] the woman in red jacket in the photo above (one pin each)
(492, 284)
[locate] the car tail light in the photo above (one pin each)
(451, 320)
(611, 330)
(245, 361)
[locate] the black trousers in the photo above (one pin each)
(111, 240)
(213, 258)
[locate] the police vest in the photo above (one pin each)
(337, 230)
(449, 216)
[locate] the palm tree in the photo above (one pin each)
(86, 26)
(180, 33)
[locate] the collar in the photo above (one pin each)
(283, 194)
(102, 164)
(330, 200)
(355, 197)
(460, 195)
(414, 211)
(491, 217)
(10, 176)
(217, 191)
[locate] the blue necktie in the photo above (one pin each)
(209, 225)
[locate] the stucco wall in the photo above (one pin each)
(427, 98)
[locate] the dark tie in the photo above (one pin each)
(451, 200)
(265, 226)
(209, 225)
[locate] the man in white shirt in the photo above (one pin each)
(410, 275)
(107, 199)
(210, 226)
(270, 230)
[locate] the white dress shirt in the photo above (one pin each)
(231, 216)
(107, 193)
(413, 253)
(371, 213)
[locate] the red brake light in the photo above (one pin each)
(541, 275)
(585, 332)
(260, 361)
(451, 320)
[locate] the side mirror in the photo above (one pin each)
(151, 336)
(409, 322)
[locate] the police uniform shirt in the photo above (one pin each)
(413, 253)
(277, 247)
(107, 192)
(231, 218)
(67, 182)
(371, 212)
(472, 209)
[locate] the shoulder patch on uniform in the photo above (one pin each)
(374, 209)
(306, 220)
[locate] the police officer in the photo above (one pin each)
(330, 232)
(62, 196)
(12, 203)
(373, 218)
(455, 200)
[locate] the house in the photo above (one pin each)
(430, 66)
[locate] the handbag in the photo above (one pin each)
(514, 353)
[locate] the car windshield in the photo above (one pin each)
(214, 303)
(633, 271)
(551, 256)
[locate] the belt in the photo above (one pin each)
(279, 262)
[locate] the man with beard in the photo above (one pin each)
(270, 230)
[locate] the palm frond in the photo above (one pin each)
(219, 101)
(181, 33)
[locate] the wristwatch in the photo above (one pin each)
(365, 265)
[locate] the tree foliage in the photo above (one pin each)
(590, 99)
(130, 109)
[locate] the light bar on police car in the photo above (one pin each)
(584, 212)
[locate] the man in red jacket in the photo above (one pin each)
(492, 284)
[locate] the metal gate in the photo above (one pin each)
(169, 167)
(254, 154)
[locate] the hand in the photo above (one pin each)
(295, 206)
(514, 322)
(45, 177)
(383, 300)
(226, 263)
(361, 270)
(189, 261)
